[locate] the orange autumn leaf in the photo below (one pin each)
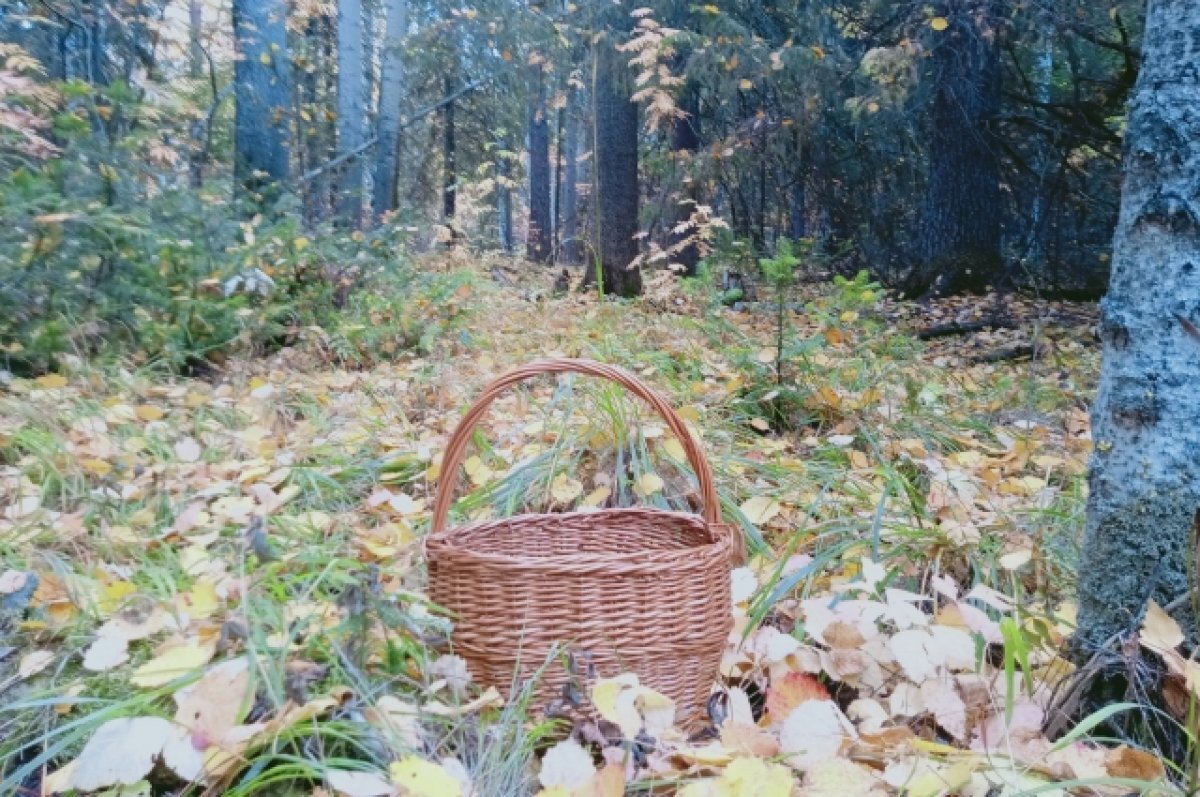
(792, 690)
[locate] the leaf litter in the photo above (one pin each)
(242, 556)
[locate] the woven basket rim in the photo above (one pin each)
(456, 541)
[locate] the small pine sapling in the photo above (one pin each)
(780, 272)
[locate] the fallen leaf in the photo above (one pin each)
(123, 751)
(106, 652)
(814, 731)
(648, 484)
(420, 778)
(213, 705)
(174, 663)
(566, 764)
(34, 662)
(790, 692)
(187, 450)
(1160, 631)
(358, 784)
(760, 509)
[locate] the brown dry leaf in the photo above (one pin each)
(1126, 762)
(213, 705)
(749, 740)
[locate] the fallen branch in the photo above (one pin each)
(1017, 351)
(965, 328)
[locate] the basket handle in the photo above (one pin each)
(455, 449)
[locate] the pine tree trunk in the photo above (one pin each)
(449, 169)
(570, 203)
(263, 94)
(504, 211)
(1144, 482)
(615, 134)
(538, 244)
(351, 114)
(391, 94)
(960, 236)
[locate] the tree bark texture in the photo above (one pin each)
(351, 113)
(538, 244)
(1139, 541)
(615, 131)
(449, 170)
(570, 204)
(263, 94)
(391, 95)
(960, 235)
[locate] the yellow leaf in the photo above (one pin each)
(564, 489)
(674, 449)
(818, 52)
(111, 596)
(149, 412)
(1160, 631)
(596, 497)
(420, 778)
(754, 777)
(264, 58)
(761, 424)
(301, 243)
(96, 467)
(175, 663)
(479, 473)
(760, 509)
(745, 85)
(939, 23)
(648, 484)
(51, 381)
(711, 9)
(202, 601)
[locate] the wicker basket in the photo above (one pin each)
(640, 590)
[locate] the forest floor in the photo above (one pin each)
(218, 582)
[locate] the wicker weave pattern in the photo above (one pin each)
(640, 589)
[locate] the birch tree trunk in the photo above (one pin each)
(391, 94)
(1140, 540)
(262, 75)
(351, 110)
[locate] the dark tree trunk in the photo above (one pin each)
(685, 141)
(960, 235)
(313, 125)
(570, 203)
(538, 245)
(615, 133)
(262, 75)
(504, 198)
(1144, 485)
(449, 170)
